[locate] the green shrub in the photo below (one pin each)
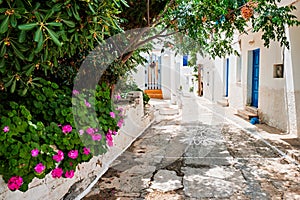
(43, 122)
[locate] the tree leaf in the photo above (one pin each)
(69, 23)
(4, 25)
(13, 21)
(37, 34)
(17, 52)
(54, 24)
(54, 37)
(27, 27)
(2, 50)
(13, 87)
(22, 36)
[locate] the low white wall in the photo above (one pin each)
(49, 188)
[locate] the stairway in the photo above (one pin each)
(155, 94)
(223, 102)
(248, 113)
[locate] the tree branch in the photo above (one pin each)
(162, 14)
(148, 12)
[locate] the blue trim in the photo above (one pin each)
(255, 78)
(227, 78)
(185, 60)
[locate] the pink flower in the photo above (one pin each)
(73, 154)
(5, 129)
(57, 173)
(39, 168)
(115, 133)
(34, 152)
(81, 132)
(71, 164)
(59, 156)
(117, 97)
(15, 182)
(109, 140)
(90, 131)
(75, 92)
(69, 174)
(86, 151)
(120, 123)
(96, 137)
(87, 104)
(67, 129)
(112, 114)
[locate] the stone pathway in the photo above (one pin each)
(198, 155)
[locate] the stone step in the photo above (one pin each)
(246, 114)
(223, 102)
(251, 109)
(155, 94)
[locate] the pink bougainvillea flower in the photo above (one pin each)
(34, 152)
(87, 104)
(15, 182)
(73, 154)
(86, 151)
(114, 132)
(75, 92)
(66, 129)
(57, 172)
(81, 132)
(39, 168)
(112, 114)
(117, 97)
(120, 123)
(121, 111)
(69, 174)
(59, 156)
(96, 137)
(5, 129)
(109, 140)
(90, 131)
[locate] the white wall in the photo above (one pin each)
(272, 101)
(292, 71)
(139, 77)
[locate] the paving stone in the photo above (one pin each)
(218, 182)
(165, 180)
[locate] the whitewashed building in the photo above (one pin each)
(262, 80)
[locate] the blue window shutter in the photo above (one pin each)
(185, 60)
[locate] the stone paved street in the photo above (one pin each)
(199, 154)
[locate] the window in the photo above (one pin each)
(278, 71)
(185, 60)
(239, 69)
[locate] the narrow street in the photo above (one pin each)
(199, 154)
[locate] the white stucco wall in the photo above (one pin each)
(139, 76)
(272, 99)
(292, 63)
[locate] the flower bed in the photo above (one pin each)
(39, 135)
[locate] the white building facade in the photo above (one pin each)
(264, 78)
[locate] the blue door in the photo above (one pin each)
(255, 78)
(227, 77)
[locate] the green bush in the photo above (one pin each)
(43, 122)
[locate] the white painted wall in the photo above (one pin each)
(292, 72)
(139, 77)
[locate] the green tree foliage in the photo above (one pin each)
(45, 38)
